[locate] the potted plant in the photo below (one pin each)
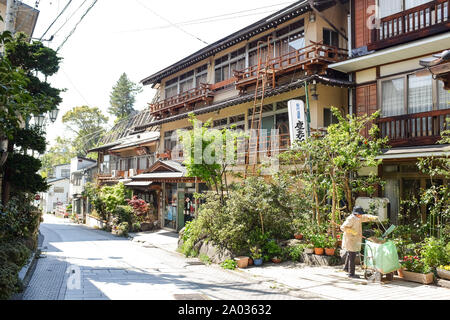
(257, 256)
(330, 246)
(298, 236)
(443, 272)
(309, 249)
(415, 270)
(274, 251)
(242, 262)
(319, 244)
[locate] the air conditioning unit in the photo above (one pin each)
(114, 173)
(380, 205)
(132, 172)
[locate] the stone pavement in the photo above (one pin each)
(324, 282)
(80, 263)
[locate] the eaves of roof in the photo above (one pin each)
(250, 97)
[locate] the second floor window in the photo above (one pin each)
(65, 173)
(330, 38)
(409, 94)
(226, 65)
(389, 7)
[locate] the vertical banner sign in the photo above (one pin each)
(297, 120)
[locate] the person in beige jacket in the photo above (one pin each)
(352, 239)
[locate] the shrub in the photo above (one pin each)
(13, 256)
(123, 214)
(295, 252)
(16, 253)
(123, 228)
(9, 281)
(433, 252)
(229, 264)
(272, 249)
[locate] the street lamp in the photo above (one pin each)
(53, 115)
(39, 120)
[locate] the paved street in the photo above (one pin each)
(116, 268)
(79, 263)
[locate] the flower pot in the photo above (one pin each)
(242, 262)
(443, 274)
(250, 262)
(319, 251)
(309, 251)
(258, 262)
(417, 277)
(298, 236)
(276, 260)
(330, 251)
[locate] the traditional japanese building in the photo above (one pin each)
(246, 80)
(400, 68)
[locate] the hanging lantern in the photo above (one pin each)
(53, 115)
(39, 120)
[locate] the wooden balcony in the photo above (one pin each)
(185, 99)
(417, 129)
(418, 22)
(313, 59)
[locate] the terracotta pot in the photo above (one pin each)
(298, 236)
(276, 260)
(250, 261)
(330, 251)
(242, 262)
(319, 251)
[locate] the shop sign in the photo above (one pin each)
(297, 120)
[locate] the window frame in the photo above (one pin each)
(405, 77)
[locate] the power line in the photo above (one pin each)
(67, 20)
(59, 15)
(213, 18)
(73, 30)
(176, 26)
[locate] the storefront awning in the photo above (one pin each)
(416, 152)
(139, 184)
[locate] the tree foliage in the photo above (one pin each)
(60, 153)
(329, 166)
(123, 97)
(87, 123)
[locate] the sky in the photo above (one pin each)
(138, 37)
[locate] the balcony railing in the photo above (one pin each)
(313, 58)
(415, 129)
(187, 98)
(415, 23)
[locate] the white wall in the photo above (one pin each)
(50, 197)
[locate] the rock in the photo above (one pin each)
(291, 243)
(215, 254)
(315, 260)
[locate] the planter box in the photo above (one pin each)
(443, 274)
(94, 222)
(417, 277)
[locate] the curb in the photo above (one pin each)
(27, 271)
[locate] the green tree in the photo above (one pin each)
(88, 126)
(205, 151)
(60, 153)
(123, 97)
(330, 164)
(22, 95)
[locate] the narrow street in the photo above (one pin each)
(114, 268)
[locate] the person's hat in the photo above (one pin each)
(358, 210)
